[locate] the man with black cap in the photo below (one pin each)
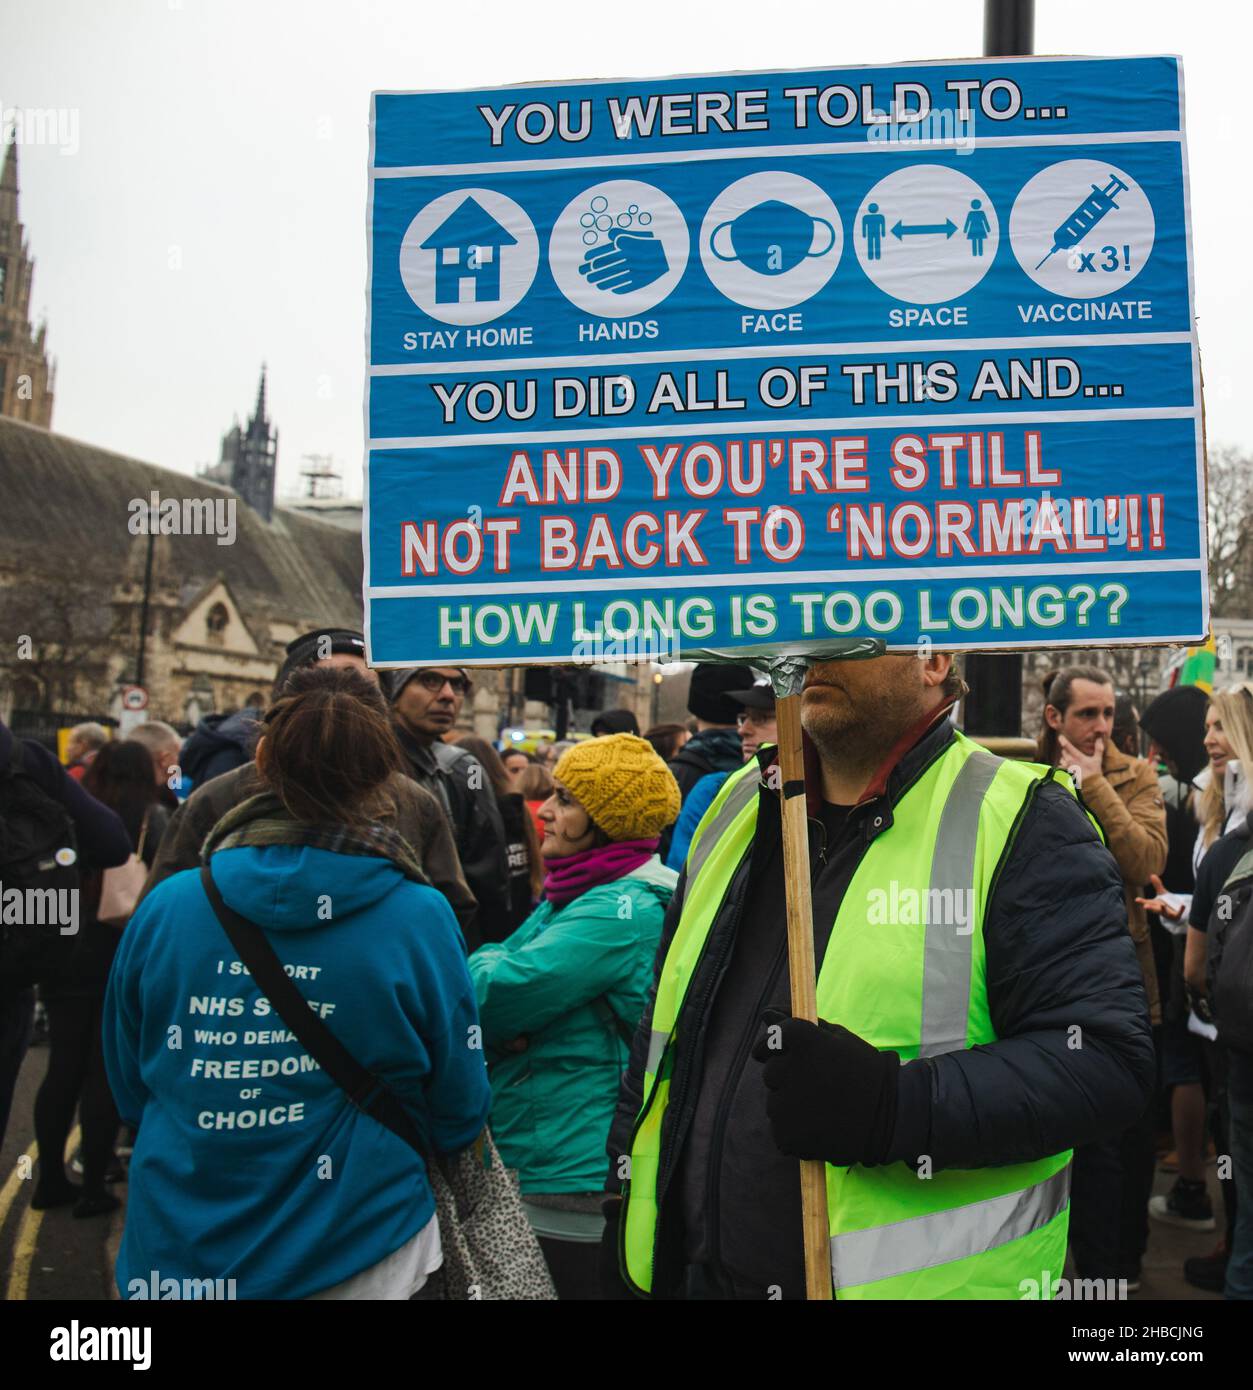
(418, 816)
(615, 721)
(425, 702)
(757, 725)
(715, 746)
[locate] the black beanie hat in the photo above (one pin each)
(311, 647)
(615, 721)
(708, 696)
(1175, 721)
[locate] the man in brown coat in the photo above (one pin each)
(1112, 1181)
(415, 815)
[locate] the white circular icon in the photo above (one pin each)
(469, 256)
(65, 856)
(1082, 228)
(619, 248)
(926, 234)
(771, 240)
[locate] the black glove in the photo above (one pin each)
(612, 1286)
(831, 1095)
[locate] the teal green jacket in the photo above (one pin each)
(552, 1104)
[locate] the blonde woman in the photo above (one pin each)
(1222, 803)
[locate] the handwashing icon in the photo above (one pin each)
(772, 238)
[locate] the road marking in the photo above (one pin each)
(28, 1233)
(10, 1189)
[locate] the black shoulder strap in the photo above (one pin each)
(609, 1017)
(367, 1092)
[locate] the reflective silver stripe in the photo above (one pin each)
(940, 1237)
(656, 1047)
(950, 939)
(741, 794)
(744, 791)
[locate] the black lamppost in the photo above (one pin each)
(994, 705)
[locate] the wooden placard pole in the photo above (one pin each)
(800, 960)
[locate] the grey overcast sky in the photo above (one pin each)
(212, 214)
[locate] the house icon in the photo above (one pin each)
(467, 248)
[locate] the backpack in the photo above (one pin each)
(1229, 958)
(38, 859)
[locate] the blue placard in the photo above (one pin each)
(760, 362)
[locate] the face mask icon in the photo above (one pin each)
(771, 238)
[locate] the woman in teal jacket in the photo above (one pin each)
(561, 997)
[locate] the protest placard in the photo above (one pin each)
(760, 361)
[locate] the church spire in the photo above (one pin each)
(8, 197)
(8, 174)
(259, 414)
(25, 372)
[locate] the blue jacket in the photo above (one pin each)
(290, 1190)
(699, 800)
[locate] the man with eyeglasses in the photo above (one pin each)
(426, 701)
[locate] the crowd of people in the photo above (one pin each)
(582, 945)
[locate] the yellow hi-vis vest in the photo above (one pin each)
(905, 969)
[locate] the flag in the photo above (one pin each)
(1196, 667)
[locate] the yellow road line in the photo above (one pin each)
(23, 1254)
(28, 1235)
(11, 1188)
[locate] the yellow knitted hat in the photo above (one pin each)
(622, 784)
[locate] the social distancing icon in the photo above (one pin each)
(926, 234)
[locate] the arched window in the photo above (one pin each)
(256, 700)
(1244, 660)
(216, 623)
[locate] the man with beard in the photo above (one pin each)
(969, 927)
(426, 701)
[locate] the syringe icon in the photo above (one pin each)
(1086, 215)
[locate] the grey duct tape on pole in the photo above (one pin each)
(787, 670)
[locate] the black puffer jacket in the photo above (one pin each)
(220, 743)
(1058, 959)
(711, 750)
(457, 779)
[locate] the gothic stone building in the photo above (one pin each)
(72, 585)
(26, 378)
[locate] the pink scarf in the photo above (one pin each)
(572, 876)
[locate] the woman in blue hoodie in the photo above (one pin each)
(251, 1164)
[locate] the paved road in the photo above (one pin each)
(50, 1255)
